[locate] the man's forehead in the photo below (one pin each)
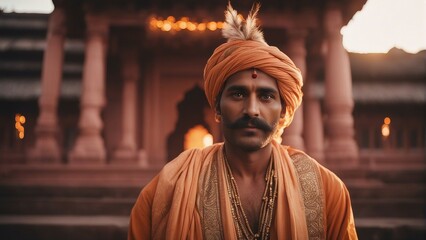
(244, 79)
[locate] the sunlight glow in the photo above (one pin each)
(27, 6)
(384, 24)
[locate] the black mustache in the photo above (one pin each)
(250, 122)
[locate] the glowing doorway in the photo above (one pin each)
(197, 137)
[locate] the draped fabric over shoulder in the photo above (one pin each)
(189, 200)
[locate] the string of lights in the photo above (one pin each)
(19, 121)
(184, 23)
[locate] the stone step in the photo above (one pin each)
(405, 208)
(400, 208)
(389, 174)
(69, 191)
(389, 200)
(356, 192)
(387, 191)
(76, 175)
(66, 206)
(34, 227)
(67, 200)
(391, 228)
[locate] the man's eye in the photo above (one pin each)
(266, 97)
(238, 95)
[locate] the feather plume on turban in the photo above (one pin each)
(246, 49)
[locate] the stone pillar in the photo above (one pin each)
(89, 146)
(341, 146)
(152, 149)
(297, 52)
(313, 124)
(47, 147)
(127, 149)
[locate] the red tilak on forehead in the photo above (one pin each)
(254, 73)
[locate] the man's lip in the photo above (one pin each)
(250, 127)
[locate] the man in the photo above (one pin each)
(250, 186)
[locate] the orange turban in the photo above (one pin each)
(237, 55)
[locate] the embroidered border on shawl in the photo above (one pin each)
(209, 203)
(313, 196)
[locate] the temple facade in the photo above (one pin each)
(140, 63)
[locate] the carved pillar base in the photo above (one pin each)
(88, 150)
(46, 149)
(341, 147)
(125, 156)
(337, 155)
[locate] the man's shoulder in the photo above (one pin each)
(193, 153)
(302, 158)
(297, 155)
(189, 159)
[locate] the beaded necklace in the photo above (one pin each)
(242, 225)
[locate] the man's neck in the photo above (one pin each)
(248, 164)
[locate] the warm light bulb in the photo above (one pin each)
(201, 27)
(191, 26)
(182, 24)
(159, 24)
(153, 22)
(166, 26)
(387, 120)
(171, 19)
(171, 24)
(385, 130)
(212, 26)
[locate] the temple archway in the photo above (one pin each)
(190, 118)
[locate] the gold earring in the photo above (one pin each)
(217, 117)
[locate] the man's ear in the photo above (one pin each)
(217, 112)
(217, 116)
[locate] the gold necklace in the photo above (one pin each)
(242, 225)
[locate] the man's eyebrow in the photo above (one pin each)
(267, 90)
(259, 89)
(235, 88)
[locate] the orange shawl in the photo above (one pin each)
(178, 204)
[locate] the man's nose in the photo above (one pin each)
(251, 106)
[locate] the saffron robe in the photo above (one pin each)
(188, 199)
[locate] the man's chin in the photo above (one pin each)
(252, 146)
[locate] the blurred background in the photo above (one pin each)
(96, 96)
